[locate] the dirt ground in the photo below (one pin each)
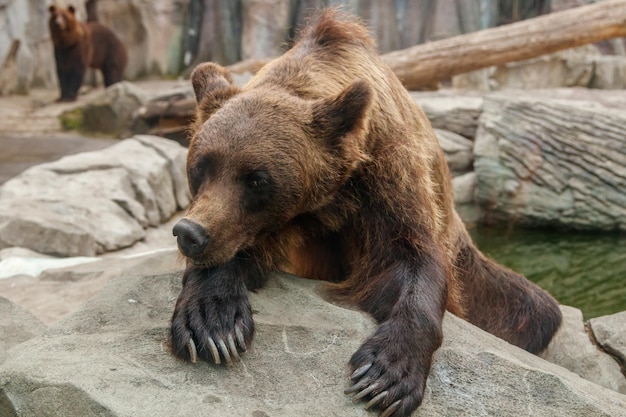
(30, 134)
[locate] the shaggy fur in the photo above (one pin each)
(323, 166)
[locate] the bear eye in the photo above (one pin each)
(259, 189)
(257, 179)
(201, 170)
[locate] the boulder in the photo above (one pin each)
(52, 288)
(609, 72)
(458, 151)
(610, 333)
(16, 326)
(93, 202)
(111, 112)
(573, 349)
(464, 187)
(568, 68)
(111, 359)
(453, 112)
(578, 67)
(543, 162)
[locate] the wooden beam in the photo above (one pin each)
(425, 64)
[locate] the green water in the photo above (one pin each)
(587, 271)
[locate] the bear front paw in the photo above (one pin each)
(212, 329)
(389, 375)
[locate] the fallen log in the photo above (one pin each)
(425, 64)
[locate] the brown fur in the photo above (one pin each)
(323, 165)
(109, 53)
(72, 49)
(79, 45)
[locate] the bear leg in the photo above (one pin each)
(212, 319)
(408, 299)
(505, 303)
(70, 81)
(112, 73)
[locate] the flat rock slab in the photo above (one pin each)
(458, 151)
(550, 162)
(56, 291)
(16, 326)
(94, 202)
(111, 359)
(447, 110)
(610, 333)
(572, 348)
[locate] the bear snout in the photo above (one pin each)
(59, 22)
(192, 238)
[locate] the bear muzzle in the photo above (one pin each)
(192, 238)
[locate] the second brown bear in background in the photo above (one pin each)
(79, 45)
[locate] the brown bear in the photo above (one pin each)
(79, 45)
(325, 167)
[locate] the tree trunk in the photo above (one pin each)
(424, 65)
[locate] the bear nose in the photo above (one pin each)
(192, 238)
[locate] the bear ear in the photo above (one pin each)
(213, 86)
(346, 113)
(208, 78)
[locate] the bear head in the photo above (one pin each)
(65, 29)
(260, 157)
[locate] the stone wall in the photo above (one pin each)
(152, 30)
(166, 37)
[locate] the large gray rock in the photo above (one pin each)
(577, 67)
(111, 112)
(610, 333)
(609, 72)
(452, 112)
(548, 162)
(16, 326)
(111, 359)
(464, 187)
(573, 349)
(568, 68)
(458, 151)
(93, 202)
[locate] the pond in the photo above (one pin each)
(583, 270)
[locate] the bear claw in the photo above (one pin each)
(365, 392)
(233, 348)
(193, 353)
(377, 399)
(357, 387)
(225, 352)
(391, 409)
(240, 339)
(361, 371)
(214, 352)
